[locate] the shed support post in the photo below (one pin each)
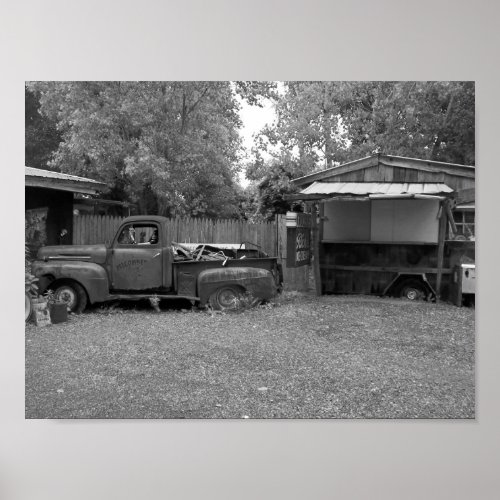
(440, 255)
(316, 243)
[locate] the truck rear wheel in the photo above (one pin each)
(73, 294)
(226, 298)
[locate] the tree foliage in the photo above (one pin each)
(321, 124)
(272, 180)
(40, 133)
(428, 120)
(171, 147)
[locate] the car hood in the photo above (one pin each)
(87, 253)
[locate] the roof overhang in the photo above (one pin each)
(466, 207)
(324, 191)
(61, 182)
(64, 186)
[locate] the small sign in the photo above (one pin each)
(298, 241)
(291, 219)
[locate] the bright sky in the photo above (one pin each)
(254, 119)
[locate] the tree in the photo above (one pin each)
(171, 147)
(41, 135)
(272, 181)
(429, 120)
(321, 124)
(330, 122)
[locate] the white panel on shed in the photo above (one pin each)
(347, 220)
(408, 220)
(382, 220)
(416, 220)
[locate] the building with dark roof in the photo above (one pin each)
(49, 198)
(385, 217)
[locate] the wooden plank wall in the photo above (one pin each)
(387, 173)
(350, 268)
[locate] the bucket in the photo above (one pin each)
(58, 312)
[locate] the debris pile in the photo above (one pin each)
(206, 251)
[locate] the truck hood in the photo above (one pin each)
(87, 253)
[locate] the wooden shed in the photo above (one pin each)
(49, 200)
(390, 225)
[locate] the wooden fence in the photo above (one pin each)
(269, 236)
(90, 229)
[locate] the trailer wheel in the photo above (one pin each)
(412, 290)
(73, 294)
(226, 298)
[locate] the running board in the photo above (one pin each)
(139, 296)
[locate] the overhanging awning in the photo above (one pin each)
(466, 207)
(34, 177)
(377, 188)
(370, 190)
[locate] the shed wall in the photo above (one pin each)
(387, 173)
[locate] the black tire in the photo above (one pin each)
(73, 294)
(226, 298)
(28, 307)
(412, 290)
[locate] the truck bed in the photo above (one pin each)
(186, 272)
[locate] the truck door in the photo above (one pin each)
(137, 262)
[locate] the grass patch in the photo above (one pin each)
(300, 357)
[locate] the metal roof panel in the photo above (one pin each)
(37, 172)
(367, 188)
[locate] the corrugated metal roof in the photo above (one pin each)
(48, 174)
(381, 188)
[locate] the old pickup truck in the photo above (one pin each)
(142, 262)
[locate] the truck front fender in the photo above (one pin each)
(92, 277)
(259, 282)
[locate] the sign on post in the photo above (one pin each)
(298, 239)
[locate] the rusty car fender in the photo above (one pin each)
(259, 282)
(92, 277)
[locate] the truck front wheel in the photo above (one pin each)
(73, 294)
(28, 307)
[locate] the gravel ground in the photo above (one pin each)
(302, 357)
